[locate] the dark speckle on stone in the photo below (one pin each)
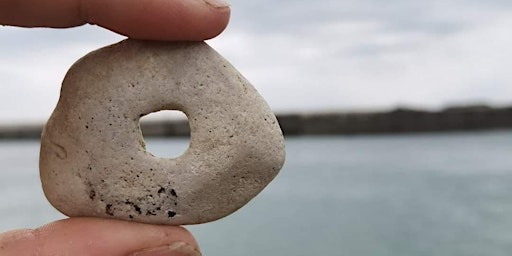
(171, 214)
(173, 193)
(161, 190)
(92, 194)
(108, 210)
(137, 208)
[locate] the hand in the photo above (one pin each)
(170, 20)
(98, 237)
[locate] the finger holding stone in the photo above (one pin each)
(143, 19)
(89, 236)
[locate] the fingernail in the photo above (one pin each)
(175, 249)
(218, 3)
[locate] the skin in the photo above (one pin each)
(170, 20)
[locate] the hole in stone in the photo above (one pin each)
(166, 133)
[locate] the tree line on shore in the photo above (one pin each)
(400, 120)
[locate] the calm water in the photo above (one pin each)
(435, 194)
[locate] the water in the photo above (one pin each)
(426, 194)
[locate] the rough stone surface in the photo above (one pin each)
(93, 159)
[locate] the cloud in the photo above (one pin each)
(309, 56)
(402, 55)
(33, 64)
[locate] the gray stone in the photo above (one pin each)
(93, 160)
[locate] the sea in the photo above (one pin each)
(387, 195)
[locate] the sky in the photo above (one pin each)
(309, 56)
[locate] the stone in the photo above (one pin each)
(93, 161)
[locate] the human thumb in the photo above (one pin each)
(98, 237)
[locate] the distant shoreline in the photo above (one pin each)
(400, 120)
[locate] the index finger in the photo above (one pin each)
(169, 20)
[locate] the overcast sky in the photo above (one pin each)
(309, 55)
